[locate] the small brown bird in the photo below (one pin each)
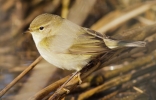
(69, 46)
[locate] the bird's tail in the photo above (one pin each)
(112, 44)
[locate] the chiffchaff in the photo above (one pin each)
(69, 46)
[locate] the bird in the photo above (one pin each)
(69, 46)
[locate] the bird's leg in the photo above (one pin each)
(74, 74)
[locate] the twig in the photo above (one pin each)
(114, 82)
(28, 69)
(141, 79)
(123, 18)
(133, 65)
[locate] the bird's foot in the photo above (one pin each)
(78, 76)
(67, 91)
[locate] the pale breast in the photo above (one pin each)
(65, 61)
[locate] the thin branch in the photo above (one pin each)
(123, 18)
(124, 78)
(28, 69)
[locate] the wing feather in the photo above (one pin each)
(89, 42)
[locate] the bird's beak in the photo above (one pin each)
(27, 31)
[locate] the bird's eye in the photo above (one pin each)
(41, 28)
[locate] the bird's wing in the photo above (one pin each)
(88, 42)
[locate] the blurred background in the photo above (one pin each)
(120, 19)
